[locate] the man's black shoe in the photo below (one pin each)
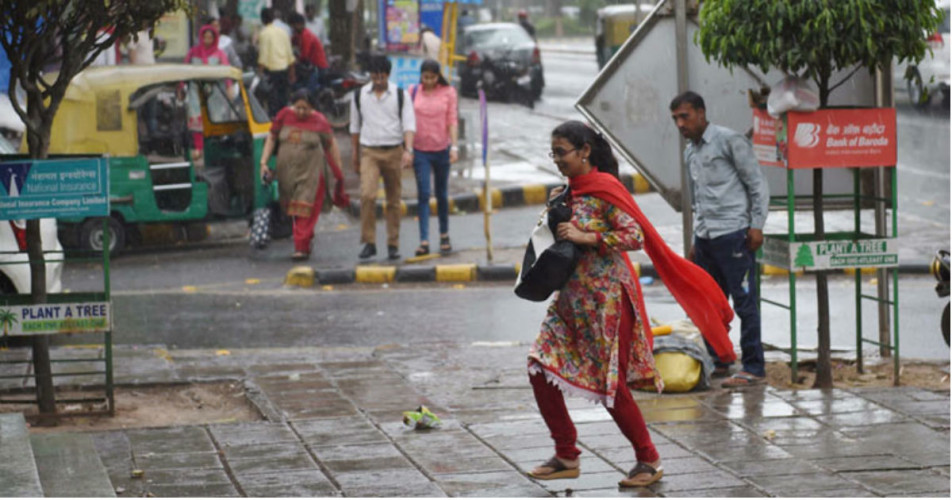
(393, 252)
(369, 251)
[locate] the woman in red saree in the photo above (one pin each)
(307, 158)
(595, 340)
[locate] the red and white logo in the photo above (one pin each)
(807, 135)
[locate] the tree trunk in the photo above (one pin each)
(39, 143)
(824, 370)
(340, 26)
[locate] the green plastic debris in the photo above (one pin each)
(422, 418)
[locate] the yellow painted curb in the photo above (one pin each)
(302, 276)
(375, 274)
(496, 194)
(641, 184)
(456, 272)
(535, 194)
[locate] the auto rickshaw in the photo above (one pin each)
(138, 116)
(613, 25)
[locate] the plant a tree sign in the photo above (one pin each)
(50, 319)
(830, 254)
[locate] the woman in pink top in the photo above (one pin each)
(434, 148)
(206, 52)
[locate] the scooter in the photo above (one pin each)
(940, 270)
(505, 78)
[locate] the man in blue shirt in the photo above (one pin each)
(730, 198)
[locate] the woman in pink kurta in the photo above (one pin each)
(434, 148)
(206, 52)
(593, 341)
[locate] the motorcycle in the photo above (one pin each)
(505, 78)
(940, 270)
(330, 92)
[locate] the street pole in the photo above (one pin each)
(681, 37)
(487, 193)
(884, 98)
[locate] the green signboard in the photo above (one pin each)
(49, 319)
(830, 254)
(35, 189)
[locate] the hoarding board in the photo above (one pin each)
(50, 319)
(830, 254)
(72, 188)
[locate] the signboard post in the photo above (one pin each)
(59, 188)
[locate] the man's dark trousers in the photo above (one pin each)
(280, 91)
(734, 267)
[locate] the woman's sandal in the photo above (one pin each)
(423, 249)
(554, 469)
(641, 468)
(445, 246)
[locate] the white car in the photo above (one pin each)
(931, 76)
(14, 266)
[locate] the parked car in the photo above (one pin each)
(504, 42)
(14, 262)
(931, 75)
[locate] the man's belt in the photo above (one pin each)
(391, 146)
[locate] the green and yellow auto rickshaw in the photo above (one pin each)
(614, 24)
(144, 118)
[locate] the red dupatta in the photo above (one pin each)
(696, 291)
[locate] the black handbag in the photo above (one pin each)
(548, 263)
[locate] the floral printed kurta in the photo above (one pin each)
(577, 348)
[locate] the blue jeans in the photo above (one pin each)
(733, 266)
(439, 162)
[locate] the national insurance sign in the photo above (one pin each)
(60, 188)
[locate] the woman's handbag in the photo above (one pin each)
(548, 263)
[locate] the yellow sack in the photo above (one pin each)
(680, 372)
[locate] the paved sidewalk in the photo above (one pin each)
(332, 427)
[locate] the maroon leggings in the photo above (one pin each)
(303, 227)
(625, 413)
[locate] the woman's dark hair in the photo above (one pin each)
(301, 95)
(579, 134)
(295, 18)
(432, 66)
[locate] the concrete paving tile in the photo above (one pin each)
(842, 493)
(733, 492)
(506, 483)
(932, 459)
(864, 463)
(615, 492)
(588, 464)
(428, 490)
(672, 486)
(357, 452)
(318, 428)
(341, 408)
(187, 476)
(159, 461)
(740, 438)
(768, 409)
(692, 414)
(938, 407)
(209, 373)
(756, 452)
(801, 484)
(113, 449)
(783, 424)
(901, 482)
(586, 481)
(300, 483)
(586, 429)
(942, 470)
(937, 422)
(170, 440)
(928, 494)
(443, 464)
(489, 431)
(291, 459)
(846, 405)
(262, 451)
(676, 431)
(685, 465)
(193, 490)
(797, 437)
(617, 440)
(497, 399)
(380, 479)
(862, 419)
(540, 454)
(281, 369)
(773, 467)
(794, 395)
(668, 402)
(915, 436)
(625, 457)
(251, 433)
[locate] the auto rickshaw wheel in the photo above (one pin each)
(91, 235)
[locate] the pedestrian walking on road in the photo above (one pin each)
(730, 197)
(595, 340)
(206, 52)
(275, 61)
(307, 160)
(435, 146)
(382, 131)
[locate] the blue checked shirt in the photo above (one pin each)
(728, 189)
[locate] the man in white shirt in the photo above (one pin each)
(382, 126)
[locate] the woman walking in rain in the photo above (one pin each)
(595, 339)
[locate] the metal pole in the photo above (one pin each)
(858, 275)
(792, 279)
(884, 98)
(681, 39)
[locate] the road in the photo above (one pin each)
(225, 296)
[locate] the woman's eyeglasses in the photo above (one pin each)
(559, 153)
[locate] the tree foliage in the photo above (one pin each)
(815, 38)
